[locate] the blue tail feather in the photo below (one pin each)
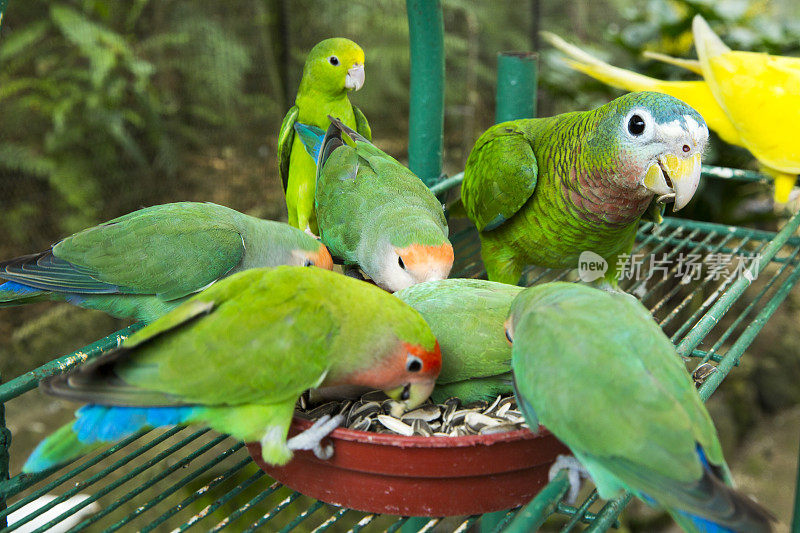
(704, 525)
(101, 423)
(96, 425)
(18, 288)
(311, 137)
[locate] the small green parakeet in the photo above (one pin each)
(333, 67)
(542, 191)
(238, 355)
(595, 369)
(374, 212)
(146, 263)
(467, 317)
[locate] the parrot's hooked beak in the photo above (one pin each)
(355, 77)
(674, 178)
(410, 395)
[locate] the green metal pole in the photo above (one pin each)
(426, 120)
(5, 434)
(516, 86)
(516, 98)
(533, 515)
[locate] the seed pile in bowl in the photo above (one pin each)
(373, 412)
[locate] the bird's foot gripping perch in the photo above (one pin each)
(311, 439)
(575, 471)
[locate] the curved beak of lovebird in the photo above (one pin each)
(355, 77)
(674, 178)
(410, 396)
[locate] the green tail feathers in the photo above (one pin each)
(61, 447)
(13, 298)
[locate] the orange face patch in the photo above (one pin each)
(418, 257)
(322, 258)
(431, 359)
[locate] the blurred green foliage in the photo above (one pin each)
(96, 98)
(111, 105)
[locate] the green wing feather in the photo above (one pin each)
(503, 151)
(233, 344)
(479, 351)
(353, 168)
(285, 140)
(170, 250)
(590, 340)
(362, 126)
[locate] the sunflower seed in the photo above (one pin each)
(361, 424)
(374, 396)
(395, 425)
(368, 410)
(476, 421)
(420, 427)
(499, 428)
(702, 372)
(493, 406)
(502, 410)
(329, 408)
(426, 412)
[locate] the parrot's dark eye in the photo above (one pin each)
(333, 60)
(636, 125)
(401, 263)
(508, 336)
(413, 363)
(308, 263)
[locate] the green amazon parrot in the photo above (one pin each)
(375, 213)
(467, 316)
(238, 355)
(595, 369)
(543, 191)
(146, 263)
(333, 67)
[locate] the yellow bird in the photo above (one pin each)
(695, 93)
(704, 95)
(760, 93)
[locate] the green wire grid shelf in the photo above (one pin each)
(186, 478)
(182, 478)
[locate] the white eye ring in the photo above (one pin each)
(649, 124)
(413, 363)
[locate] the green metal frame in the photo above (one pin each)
(731, 314)
(135, 479)
(516, 86)
(426, 120)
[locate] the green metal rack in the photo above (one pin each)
(182, 478)
(138, 481)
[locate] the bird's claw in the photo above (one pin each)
(575, 471)
(311, 439)
(308, 230)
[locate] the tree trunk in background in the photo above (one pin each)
(279, 30)
(265, 21)
(536, 16)
(471, 82)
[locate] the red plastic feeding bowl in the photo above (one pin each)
(421, 476)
